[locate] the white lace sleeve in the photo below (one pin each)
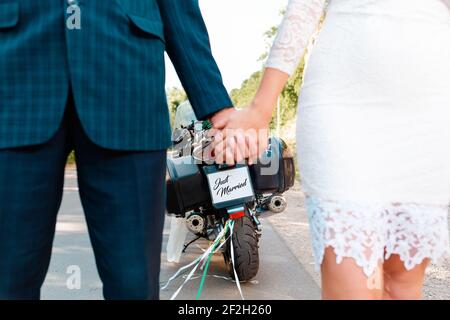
(299, 24)
(447, 2)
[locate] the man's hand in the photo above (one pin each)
(243, 134)
(222, 116)
(240, 134)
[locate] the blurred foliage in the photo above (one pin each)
(71, 159)
(243, 96)
(289, 97)
(175, 97)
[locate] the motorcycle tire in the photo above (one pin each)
(246, 250)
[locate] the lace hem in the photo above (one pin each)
(371, 233)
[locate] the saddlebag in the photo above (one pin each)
(187, 188)
(275, 170)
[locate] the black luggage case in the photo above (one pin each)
(275, 171)
(187, 188)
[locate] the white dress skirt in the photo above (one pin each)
(373, 131)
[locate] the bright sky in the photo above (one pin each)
(236, 29)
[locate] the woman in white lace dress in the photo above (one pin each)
(373, 137)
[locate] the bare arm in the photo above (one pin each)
(272, 83)
(239, 140)
(300, 22)
(245, 133)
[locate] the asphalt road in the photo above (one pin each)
(286, 267)
(281, 274)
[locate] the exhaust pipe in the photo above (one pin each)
(277, 204)
(195, 223)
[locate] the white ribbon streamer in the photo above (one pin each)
(196, 262)
(232, 260)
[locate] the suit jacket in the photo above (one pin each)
(114, 64)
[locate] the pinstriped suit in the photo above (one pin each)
(98, 91)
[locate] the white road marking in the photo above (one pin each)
(71, 227)
(71, 189)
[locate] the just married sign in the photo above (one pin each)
(230, 185)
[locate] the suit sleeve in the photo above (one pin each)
(188, 46)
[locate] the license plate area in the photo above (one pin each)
(230, 187)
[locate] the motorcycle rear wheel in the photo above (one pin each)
(246, 249)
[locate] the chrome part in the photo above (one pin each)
(195, 223)
(277, 204)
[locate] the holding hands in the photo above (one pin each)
(241, 134)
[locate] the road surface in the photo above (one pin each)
(286, 268)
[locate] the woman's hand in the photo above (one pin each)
(243, 134)
(240, 135)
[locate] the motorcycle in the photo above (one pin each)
(207, 194)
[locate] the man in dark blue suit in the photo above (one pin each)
(97, 88)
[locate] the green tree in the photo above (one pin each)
(71, 158)
(175, 97)
(243, 96)
(289, 97)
